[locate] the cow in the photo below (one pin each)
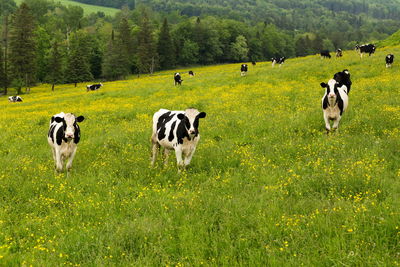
(334, 103)
(389, 60)
(279, 60)
(191, 73)
(177, 79)
(176, 130)
(63, 138)
(243, 69)
(325, 54)
(253, 63)
(367, 48)
(339, 52)
(14, 99)
(93, 87)
(343, 77)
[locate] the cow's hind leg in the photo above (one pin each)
(155, 150)
(166, 155)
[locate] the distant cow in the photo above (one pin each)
(93, 87)
(243, 69)
(389, 60)
(191, 73)
(176, 130)
(63, 137)
(177, 79)
(334, 103)
(343, 78)
(339, 52)
(15, 99)
(253, 63)
(325, 54)
(367, 48)
(278, 60)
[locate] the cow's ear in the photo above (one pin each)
(181, 116)
(202, 115)
(58, 119)
(324, 85)
(80, 119)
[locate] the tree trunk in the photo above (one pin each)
(52, 87)
(75, 84)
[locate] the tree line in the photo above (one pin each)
(47, 42)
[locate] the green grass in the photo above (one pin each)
(87, 9)
(266, 187)
(392, 40)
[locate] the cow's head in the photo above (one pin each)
(70, 125)
(332, 91)
(191, 119)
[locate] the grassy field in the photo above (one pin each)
(87, 9)
(266, 185)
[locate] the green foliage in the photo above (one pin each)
(7, 7)
(55, 71)
(394, 39)
(116, 62)
(239, 49)
(2, 74)
(23, 46)
(146, 47)
(165, 47)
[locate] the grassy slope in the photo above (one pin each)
(392, 40)
(86, 8)
(266, 185)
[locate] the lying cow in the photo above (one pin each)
(278, 60)
(63, 137)
(14, 99)
(93, 87)
(191, 73)
(334, 103)
(389, 60)
(177, 130)
(177, 79)
(325, 54)
(367, 48)
(343, 77)
(243, 69)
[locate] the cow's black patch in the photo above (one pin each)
(60, 135)
(325, 103)
(171, 132)
(339, 99)
(162, 121)
(77, 133)
(181, 131)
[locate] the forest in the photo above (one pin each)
(46, 42)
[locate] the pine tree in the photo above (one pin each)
(78, 67)
(165, 47)
(2, 75)
(128, 43)
(146, 50)
(23, 47)
(116, 62)
(55, 66)
(4, 52)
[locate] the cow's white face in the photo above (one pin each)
(70, 124)
(191, 120)
(331, 90)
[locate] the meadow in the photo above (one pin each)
(266, 187)
(87, 9)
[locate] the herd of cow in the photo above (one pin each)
(179, 130)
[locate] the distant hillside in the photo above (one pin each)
(87, 8)
(394, 39)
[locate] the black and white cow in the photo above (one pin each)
(278, 60)
(339, 52)
(191, 73)
(389, 60)
(334, 103)
(325, 54)
(367, 48)
(177, 79)
(63, 137)
(176, 130)
(343, 78)
(243, 69)
(15, 99)
(93, 87)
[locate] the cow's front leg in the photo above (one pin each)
(179, 160)
(155, 150)
(71, 158)
(59, 162)
(189, 156)
(327, 123)
(336, 123)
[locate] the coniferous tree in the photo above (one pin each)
(116, 62)
(5, 55)
(128, 43)
(23, 47)
(2, 75)
(55, 74)
(78, 67)
(146, 51)
(165, 47)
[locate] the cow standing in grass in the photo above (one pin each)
(177, 79)
(334, 102)
(93, 87)
(325, 54)
(243, 69)
(63, 137)
(278, 60)
(389, 60)
(367, 48)
(176, 130)
(14, 99)
(339, 52)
